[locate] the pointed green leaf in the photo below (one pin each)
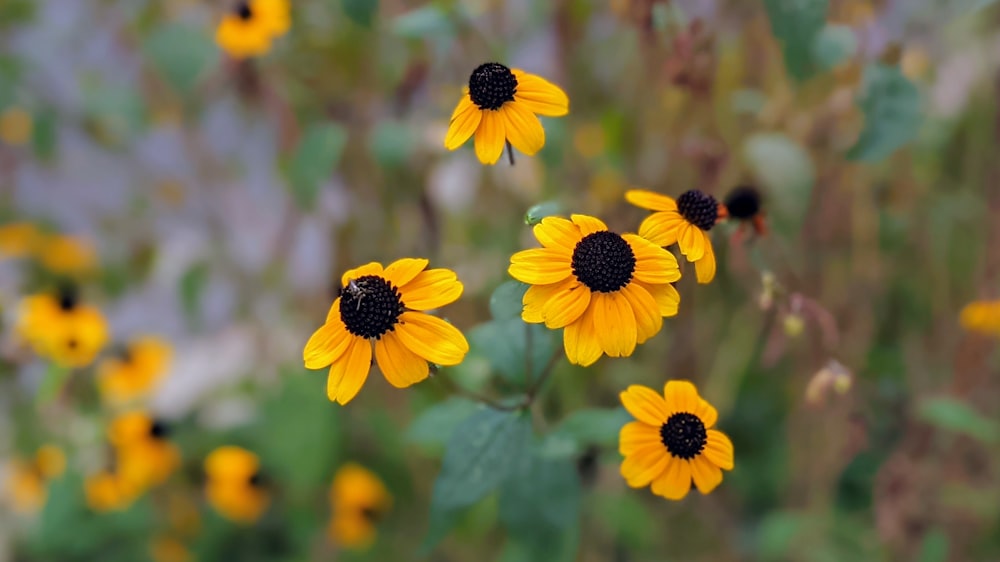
(891, 104)
(315, 157)
(796, 24)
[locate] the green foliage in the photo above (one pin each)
(181, 54)
(427, 22)
(191, 286)
(834, 45)
(957, 416)
(315, 157)
(391, 143)
(54, 380)
(797, 24)
(786, 169)
(434, 426)
(362, 12)
(538, 212)
(540, 503)
(934, 547)
(592, 426)
(891, 104)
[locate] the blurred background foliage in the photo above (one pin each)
(216, 202)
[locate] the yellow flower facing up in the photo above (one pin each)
(685, 221)
(61, 328)
(234, 484)
(108, 491)
(67, 255)
(672, 443)
(250, 26)
(386, 306)
(501, 104)
(18, 239)
(143, 454)
(608, 291)
(982, 317)
(135, 372)
(358, 500)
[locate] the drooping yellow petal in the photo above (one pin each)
(557, 232)
(491, 137)
(647, 313)
(523, 129)
(371, 268)
(691, 242)
(580, 340)
(588, 224)
(675, 482)
(662, 228)
(644, 465)
(650, 200)
(463, 104)
(566, 305)
(705, 267)
(540, 266)
(719, 449)
(326, 345)
(540, 96)
(402, 271)
(653, 264)
(615, 324)
(637, 435)
(431, 289)
(705, 474)
(334, 312)
(349, 372)
(645, 405)
(706, 413)
(666, 296)
(463, 125)
(432, 338)
(400, 366)
(681, 396)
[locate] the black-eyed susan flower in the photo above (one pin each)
(501, 105)
(608, 291)
(249, 27)
(143, 455)
(135, 371)
(981, 317)
(685, 221)
(67, 255)
(108, 491)
(386, 307)
(234, 484)
(61, 328)
(744, 204)
(672, 442)
(358, 500)
(18, 239)
(26, 484)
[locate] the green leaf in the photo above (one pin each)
(390, 143)
(192, 283)
(315, 157)
(891, 104)
(361, 11)
(796, 24)
(52, 382)
(506, 300)
(542, 210)
(428, 21)
(834, 45)
(785, 168)
(954, 415)
(593, 427)
(181, 54)
(434, 426)
(505, 344)
(44, 135)
(541, 498)
(934, 547)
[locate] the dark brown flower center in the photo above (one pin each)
(491, 85)
(242, 10)
(159, 430)
(603, 261)
(684, 435)
(743, 203)
(258, 479)
(699, 209)
(370, 306)
(68, 296)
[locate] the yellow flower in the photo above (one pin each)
(135, 372)
(685, 221)
(673, 442)
(143, 455)
(609, 291)
(62, 329)
(249, 27)
(25, 487)
(18, 239)
(67, 255)
(386, 306)
(981, 317)
(234, 484)
(108, 491)
(500, 105)
(50, 461)
(15, 126)
(169, 549)
(358, 499)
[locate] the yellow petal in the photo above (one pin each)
(401, 272)
(326, 345)
(371, 268)
(706, 413)
(706, 475)
(463, 126)
(463, 104)
(681, 396)
(705, 267)
(334, 312)
(675, 482)
(615, 324)
(431, 289)
(566, 305)
(349, 372)
(662, 228)
(647, 313)
(643, 465)
(557, 232)
(523, 129)
(540, 96)
(719, 449)
(432, 338)
(400, 366)
(650, 200)
(580, 340)
(691, 242)
(645, 405)
(491, 137)
(666, 296)
(637, 435)
(653, 264)
(540, 266)
(588, 224)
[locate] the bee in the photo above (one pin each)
(355, 291)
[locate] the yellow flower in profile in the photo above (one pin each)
(982, 317)
(234, 484)
(18, 239)
(67, 255)
(608, 291)
(135, 372)
(672, 442)
(685, 221)
(60, 328)
(26, 480)
(143, 454)
(499, 106)
(250, 26)
(108, 491)
(16, 126)
(386, 306)
(358, 500)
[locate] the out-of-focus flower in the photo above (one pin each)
(26, 480)
(16, 126)
(169, 549)
(61, 328)
(67, 255)
(981, 317)
(769, 287)
(143, 454)
(832, 377)
(744, 204)
(18, 239)
(135, 372)
(358, 500)
(793, 324)
(608, 291)
(385, 306)
(501, 105)
(684, 221)
(672, 442)
(234, 485)
(108, 491)
(250, 26)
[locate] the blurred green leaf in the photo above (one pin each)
(505, 344)
(934, 547)
(192, 283)
(786, 170)
(594, 426)
(796, 24)
(776, 533)
(44, 135)
(52, 382)
(542, 210)
(506, 300)
(428, 21)
(317, 154)
(114, 112)
(955, 415)
(182, 54)
(834, 45)
(541, 498)
(891, 104)
(390, 143)
(361, 11)
(435, 425)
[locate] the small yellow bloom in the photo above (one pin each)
(18, 239)
(685, 221)
(16, 126)
(248, 29)
(386, 306)
(358, 500)
(169, 549)
(672, 442)
(982, 317)
(143, 454)
(51, 461)
(67, 255)
(234, 484)
(24, 487)
(62, 329)
(135, 372)
(608, 291)
(108, 491)
(499, 106)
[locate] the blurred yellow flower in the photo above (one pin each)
(16, 126)
(169, 549)
(982, 317)
(50, 461)
(26, 480)
(143, 454)
(108, 491)
(67, 255)
(250, 26)
(135, 372)
(358, 499)
(673, 442)
(609, 291)
(234, 484)
(386, 306)
(62, 329)
(18, 239)
(685, 221)
(499, 106)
